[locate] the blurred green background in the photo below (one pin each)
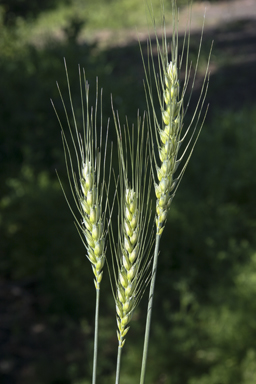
(204, 319)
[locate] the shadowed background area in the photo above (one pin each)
(204, 318)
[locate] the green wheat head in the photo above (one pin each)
(132, 249)
(168, 130)
(86, 174)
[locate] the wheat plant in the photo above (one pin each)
(131, 254)
(86, 175)
(175, 142)
(155, 151)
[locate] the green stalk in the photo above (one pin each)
(149, 311)
(118, 364)
(96, 326)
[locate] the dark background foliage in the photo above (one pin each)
(204, 326)
(14, 9)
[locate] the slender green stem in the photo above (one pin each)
(95, 352)
(118, 363)
(149, 312)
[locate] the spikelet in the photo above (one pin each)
(134, 241)
(84, 174)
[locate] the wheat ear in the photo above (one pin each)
(167, 132)
(87, 183)
(132, 253)
(126, 286)
(169, 145)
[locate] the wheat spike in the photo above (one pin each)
(87, 183)
(92, 221)
(134, 244)
(127, 282)
(169, 145)
(167, 131)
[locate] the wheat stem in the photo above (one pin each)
(118, 363)
(96, 328)
(149, 311)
